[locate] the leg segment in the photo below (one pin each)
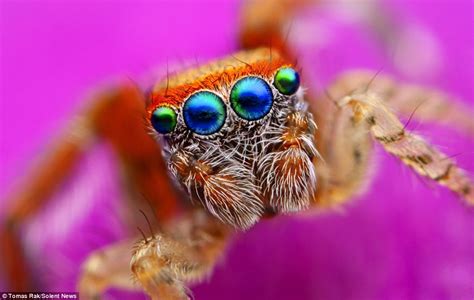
(114, 117)
(264, 23)
(346, 149)
(355, 106)
(188, 252)
(105, 268)
(411, 149)
(32, 194)
(430, 105)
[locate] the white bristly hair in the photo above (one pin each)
(234, 172)
(288, 179)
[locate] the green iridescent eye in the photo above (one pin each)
(287, 81)
(163, 119)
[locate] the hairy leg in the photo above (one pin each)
(410, 148)
(105, 268)
(266, 23)
(419, 103)
(186, 252)
(345, 148)
(32, 194)
(114, 117)
(345, 142)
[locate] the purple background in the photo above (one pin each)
(404, 239)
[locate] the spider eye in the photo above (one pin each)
(251, 98)
(287, 81)
(163, 119)
(204, 113)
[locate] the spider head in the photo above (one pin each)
(237, 136)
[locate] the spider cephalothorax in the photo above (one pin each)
(240, 139)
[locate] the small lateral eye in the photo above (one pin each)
(204, 113)
(163, 119)
(251, 98)
(287, 81)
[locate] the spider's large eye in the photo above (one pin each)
(204, 113)
(163, 119)
(251, 98)
(287, 81)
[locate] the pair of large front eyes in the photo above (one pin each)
(205, 113)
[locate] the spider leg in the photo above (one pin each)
(185, 253)
(266, 23)
(369, 108)
(408, 100)
(345, 148)
(114, 117)
(32, 194)
(105, 268)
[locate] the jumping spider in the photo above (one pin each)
(237, 140)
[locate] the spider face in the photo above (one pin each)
(240, 141)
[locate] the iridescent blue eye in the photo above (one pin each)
(204, 113)
(287, 81)
(163, 119)
(251, 98)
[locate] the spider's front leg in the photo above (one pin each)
(105, 268)
(410, 148)
(186, 250)
(164, 262)
(409, 100)
(364, 110)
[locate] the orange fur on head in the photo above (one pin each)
(173, 91)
